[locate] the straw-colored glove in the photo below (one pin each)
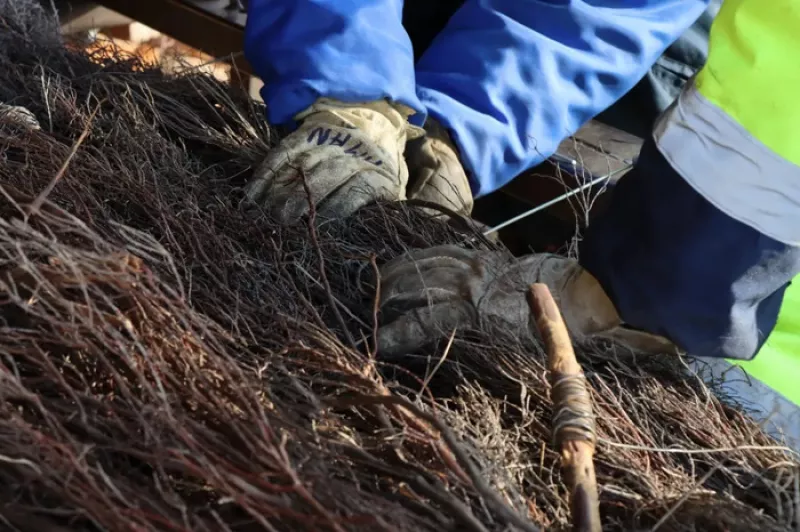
(348, 154)
(435, 170)
(19, 115)
(428, 293)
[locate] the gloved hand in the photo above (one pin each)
(349, 154)
(435, 171)
(19, 115)
(428, 293)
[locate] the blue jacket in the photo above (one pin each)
(510, 79)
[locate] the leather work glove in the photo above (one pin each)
(19, 115)
(349, 154)
(435, 170)
(428, 293)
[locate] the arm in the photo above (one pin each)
(511, 79)
(348, 50)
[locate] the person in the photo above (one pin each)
(701, 242)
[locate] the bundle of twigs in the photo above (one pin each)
(170, 360)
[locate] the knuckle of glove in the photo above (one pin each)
(437, 176)
(466, 288)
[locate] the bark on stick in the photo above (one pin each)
(573, 420)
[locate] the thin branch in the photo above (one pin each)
(573, 431)
(40, 199)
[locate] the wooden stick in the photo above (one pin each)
(573, 430)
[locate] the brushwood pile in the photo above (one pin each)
(171, 359)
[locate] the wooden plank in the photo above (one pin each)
(88, 16)
(596, 150)
(205, 25)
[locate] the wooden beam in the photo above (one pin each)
(596, 149)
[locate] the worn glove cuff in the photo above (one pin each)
(356, 113)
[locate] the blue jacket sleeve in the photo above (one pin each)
(350, 50)
(511, 79)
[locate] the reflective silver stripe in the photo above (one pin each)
(729, 167)
(777, 416)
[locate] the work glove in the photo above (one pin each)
(426, 294)
(347, 155)
(435, 171)
(19, 115)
